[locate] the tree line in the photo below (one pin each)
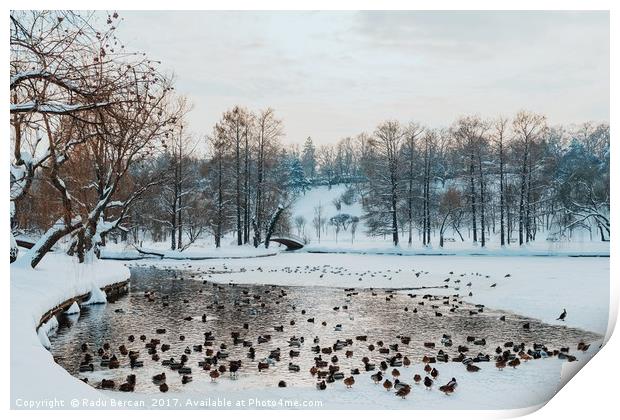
(514, 177)
(101, 148)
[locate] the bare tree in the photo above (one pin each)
(500, 137)
(269, 131)
(528, 128)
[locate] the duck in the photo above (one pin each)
(349, 381)
(282, 384)
(428, 382)
(472, 368)
(214, 374)
(583, 346)
(107, 384)
(163, 387)
(434, 373)
(186, 379)
(500, 364)
(514, 363)
(377, 377)
(87, 367)
(159, 377)
(387, 384)
(449, 387)
(403, 391)
(398, 384)
(417, 378)
(321, 386)
(395, 373)
(562, 316)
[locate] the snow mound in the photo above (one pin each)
(97, 296)
(73, 309)
(44, 331)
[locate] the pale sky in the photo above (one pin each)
(330, 75)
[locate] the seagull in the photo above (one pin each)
(562, 316)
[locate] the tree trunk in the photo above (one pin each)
(502, 233)
(180, 209)
(47, 241)
(472, 192)
(246, 192)
(482, 219)
(394, 218)
(272, 225)
(522, 199)
(238, 184)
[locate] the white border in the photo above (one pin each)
(592, 394)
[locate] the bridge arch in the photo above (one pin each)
(291, 242)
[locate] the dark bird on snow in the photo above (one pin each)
(472, 368)
(562, 316)
(387, 384)
(403, 392)
(377, 377)
(449, 387)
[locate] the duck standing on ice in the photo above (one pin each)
(562, 316)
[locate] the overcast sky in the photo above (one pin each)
(330, 75)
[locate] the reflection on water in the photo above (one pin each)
(158, 299)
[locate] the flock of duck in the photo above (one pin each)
(181, 360)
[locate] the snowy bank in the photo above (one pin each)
(123, 252)
(34, 374)
(539, 249)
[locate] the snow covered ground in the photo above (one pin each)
(127, 252)
(34, 375)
